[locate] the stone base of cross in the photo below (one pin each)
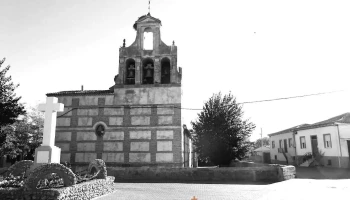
(48, 152)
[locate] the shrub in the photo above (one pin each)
(98, 166)
(12, 181)
(18, 168)
(46, 172)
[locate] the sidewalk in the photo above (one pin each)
(322, 173)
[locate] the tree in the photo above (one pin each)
(23, 136)
(10, 108)
(221, 134)
(266, 142)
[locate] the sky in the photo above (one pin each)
(255, 49)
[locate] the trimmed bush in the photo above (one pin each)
(83, 191)
(18, 168)
(43, 171)
(98, 165)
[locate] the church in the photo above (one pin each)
(137, 121)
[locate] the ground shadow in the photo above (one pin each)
(196, 182)
(322, 173)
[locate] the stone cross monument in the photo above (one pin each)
(48, 152)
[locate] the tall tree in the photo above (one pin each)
(221, 134)
(23, 136)
(10, 108)
(265, 142)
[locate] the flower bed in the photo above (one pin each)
(57, 181)
(86, 190)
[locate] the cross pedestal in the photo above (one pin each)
(48, 152)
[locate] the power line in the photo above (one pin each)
(247, 102)
(283, 98)
(290, 97)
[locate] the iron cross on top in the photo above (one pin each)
(50, 108)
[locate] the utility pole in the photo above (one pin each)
(262, 153)
(261, 137)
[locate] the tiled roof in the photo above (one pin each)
(344, 118)
(80, 92)
(289, 129)
(263, 149)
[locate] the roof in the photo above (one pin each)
(79, 92)
(143, 17)
(289, 129)
(262, 149)
(343, 118)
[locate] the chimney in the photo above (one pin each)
(82, 87)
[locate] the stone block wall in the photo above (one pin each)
(267, 174)
(135, 134)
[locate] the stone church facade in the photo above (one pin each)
(136, 122)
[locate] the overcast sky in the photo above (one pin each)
(257, 49)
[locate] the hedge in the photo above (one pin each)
(86, 190)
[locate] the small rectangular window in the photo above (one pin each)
(302, 142)
(327, 141)
(329, 162)
(290, 141)
(273, 144)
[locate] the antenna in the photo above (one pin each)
(149, 7)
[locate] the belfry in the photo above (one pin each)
(137, 121)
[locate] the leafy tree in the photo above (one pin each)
(265, 140)
(10, 108)
(23, 136)
(221, 134)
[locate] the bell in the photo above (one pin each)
(131, 74)
(148, 73)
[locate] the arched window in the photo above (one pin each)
(100, 130)
(165, 71)
(148, 39)
(130, 72)
(147, 71)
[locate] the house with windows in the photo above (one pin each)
(303, 144)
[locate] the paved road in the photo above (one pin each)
(292, 189)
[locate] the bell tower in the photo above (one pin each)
(153, 66)
(148, 88)
(137, 122)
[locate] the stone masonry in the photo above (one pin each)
(140, 114)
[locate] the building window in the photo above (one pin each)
(273, 144)
(130, 72)
(275, 157)
(148, 71)
(285, 146)
(329, 162)
(100, 130)
(290, 141)
(165, 71)
(327, 141)
(302, 142)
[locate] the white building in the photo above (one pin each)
(331, 137)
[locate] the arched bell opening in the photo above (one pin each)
(165, 71)
(147, 71)
(148, 39)
(130, 72)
